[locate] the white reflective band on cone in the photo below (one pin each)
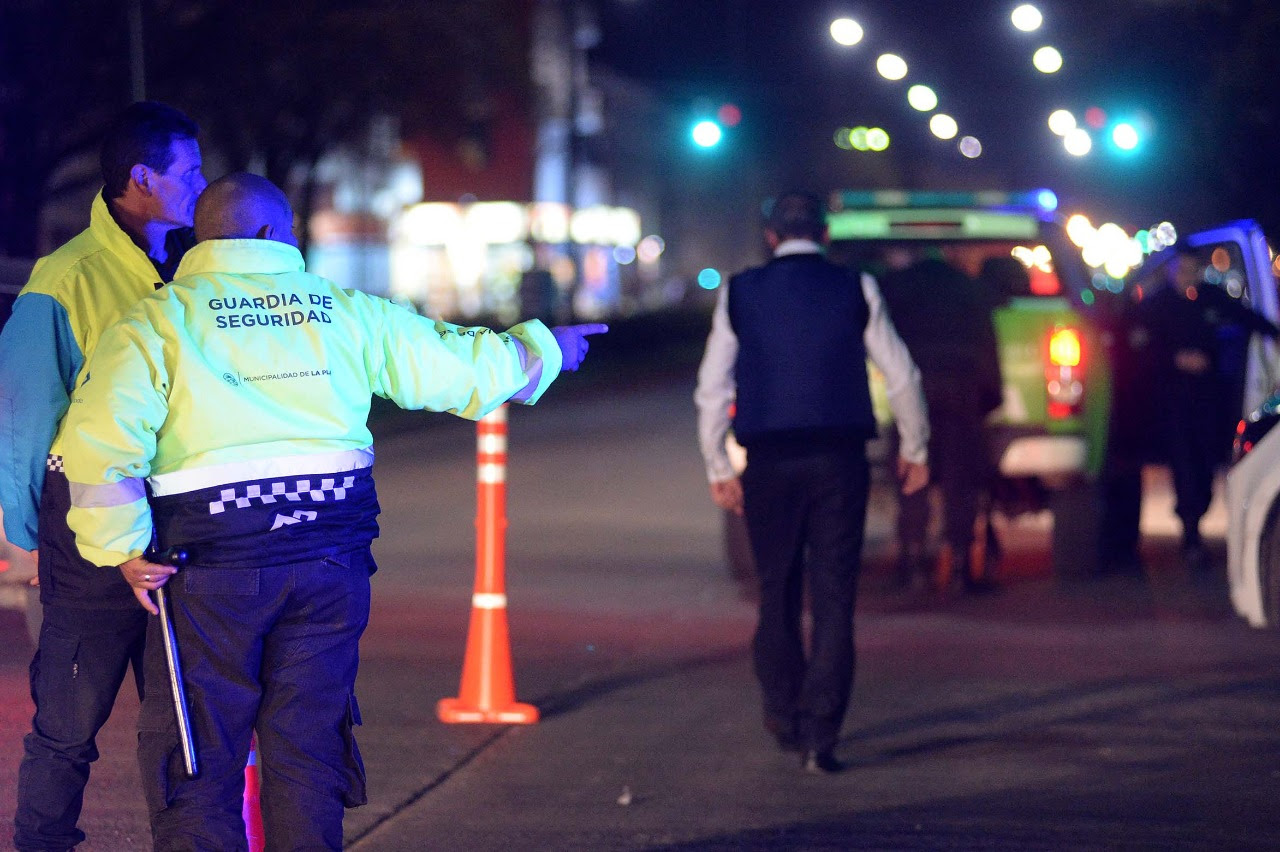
(491, 473)
(488, 600)
(498, 415)
(486, 443)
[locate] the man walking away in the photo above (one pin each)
(788, 345)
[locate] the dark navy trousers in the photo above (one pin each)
(76, 673)
(805, 515)
(272, 649)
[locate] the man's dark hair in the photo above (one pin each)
(798, 216)
(143, 133)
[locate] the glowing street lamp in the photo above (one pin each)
(1027, 18)
(922, 98)
(707, 134)
(1047, 60)
(943, 126)
(1078, 142)
(891, 66)
(1062, 121)
(846, 31)
(1125, 136)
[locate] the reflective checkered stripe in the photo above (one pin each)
(54, 463)
(295, 491)
(275, 520)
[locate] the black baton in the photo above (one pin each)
(176, 557)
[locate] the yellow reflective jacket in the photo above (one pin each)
(240, 395)
(72, 297)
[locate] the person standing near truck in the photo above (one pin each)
(946, 324)
(1178, 329)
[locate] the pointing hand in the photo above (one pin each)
(573, 341)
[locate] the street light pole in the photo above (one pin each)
(137, 53)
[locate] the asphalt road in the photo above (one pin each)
(1118, 714)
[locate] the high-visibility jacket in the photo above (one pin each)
(71, 298)
(239, 395)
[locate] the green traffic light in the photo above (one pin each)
(1125, 136)
(707, 134)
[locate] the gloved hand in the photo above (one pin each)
(573, 341)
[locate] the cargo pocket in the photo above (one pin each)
(355, 794)
(55, 669)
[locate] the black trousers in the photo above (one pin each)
(77, 670)
(959, 463)
(805, 516)
(1194, 440)
(272, 649)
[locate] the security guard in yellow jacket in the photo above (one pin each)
(92, 630)
(227, 415)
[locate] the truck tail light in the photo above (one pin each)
(1064, 348)
(1063, 376)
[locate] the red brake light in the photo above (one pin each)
(1063, 377)
(1064, 348)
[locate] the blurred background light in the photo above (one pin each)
(1164, 234)
(1078, 142)
(708, 279)
(1027, 18)
(1125, 136)
(1062, 121)
(943, 126)
(877, 139)
(650, 248)
(1079, 229)
(846, 31)
(971, 147)
(729, 115)
(1095, 117)
(891, 66)
(1047, 60)
(707, 134)
(922, 98)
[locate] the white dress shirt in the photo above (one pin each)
(717, 385)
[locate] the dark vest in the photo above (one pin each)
(801, 370)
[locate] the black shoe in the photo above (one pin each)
(821, 762)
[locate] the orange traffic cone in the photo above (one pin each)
(487, 692)
(252, 809)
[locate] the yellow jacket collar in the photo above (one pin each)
(107, 231)
(242, 257)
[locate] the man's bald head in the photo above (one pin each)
(244, 206)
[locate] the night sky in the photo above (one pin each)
(795, 86)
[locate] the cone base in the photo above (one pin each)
(454, 711)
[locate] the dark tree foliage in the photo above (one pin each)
(61, 77)
(274, 86)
